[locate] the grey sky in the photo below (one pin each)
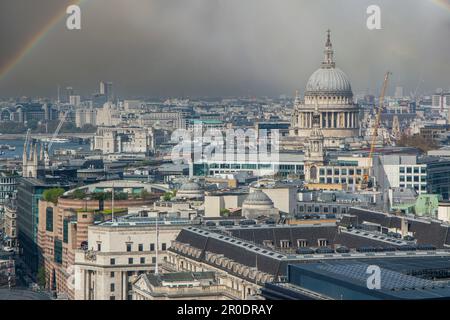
(222, 47)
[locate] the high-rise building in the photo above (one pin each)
(68, 92)
(75, 100)
(106, 89)
(398, 92)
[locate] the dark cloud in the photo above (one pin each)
(222, 47)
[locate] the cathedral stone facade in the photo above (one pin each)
(329, 93)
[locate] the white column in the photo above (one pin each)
(124, 285)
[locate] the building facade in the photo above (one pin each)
(111, 140)
(120, 251)
(329, 90)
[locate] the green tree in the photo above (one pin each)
(79, 194)
(52, 195)
(224, 212)
(121, 196)
(167, 196)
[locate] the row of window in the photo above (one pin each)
(310, 209)
(131, 261)
(341, 171)
(301, 243)
(129, 247)
(141, 247)
(411, 178)
(416, 169)
(342, 180)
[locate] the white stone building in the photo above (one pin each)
(120, 251)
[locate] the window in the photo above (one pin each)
(128, 247)
(141, 247)
(402, 169)
(322, 242)
(268, 243)
(58, 251)
(154, 260)
(112, 298)
(112, 274)
(99, 247)
(112, 261)
(130, 260)
(142, 260)
(152, 247)
(163, 247)
(285, 243)
(49, 219)
(65, 231)
(301, 243)
(113, 287)
(408, 170)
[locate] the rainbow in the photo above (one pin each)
(34, 40)
(29, 45)
(442, 3)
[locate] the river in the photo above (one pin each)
(18, 144)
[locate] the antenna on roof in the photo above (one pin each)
(157, 244)
(112, 203)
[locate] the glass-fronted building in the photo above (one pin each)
(438, 178)
(30, 191)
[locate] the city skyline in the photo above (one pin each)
(153, 48)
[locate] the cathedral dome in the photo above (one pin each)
(190, 190)
(258, 204)
(258, 198)
(329, 81)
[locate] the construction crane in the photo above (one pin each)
(376, 126)
(55, 134)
